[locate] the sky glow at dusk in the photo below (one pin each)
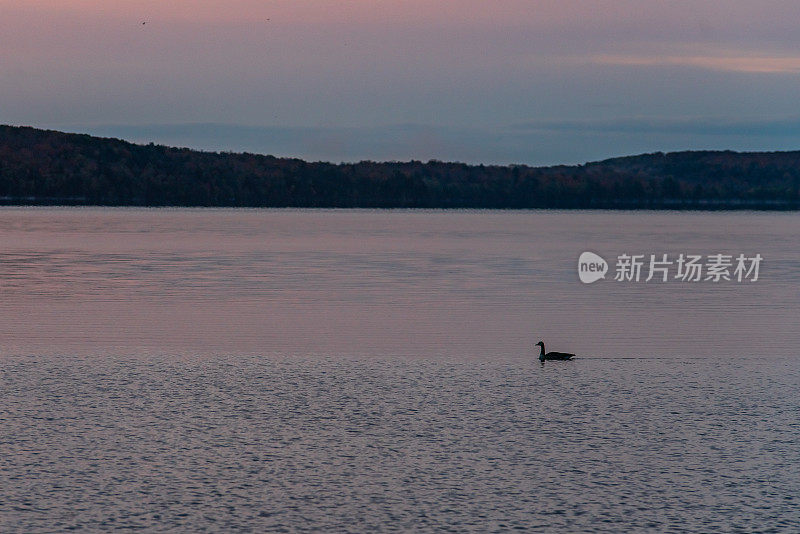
(498, 82)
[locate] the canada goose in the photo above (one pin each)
(553, 355)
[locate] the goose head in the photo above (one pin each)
(541, 354)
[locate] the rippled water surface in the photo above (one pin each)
(216, 370)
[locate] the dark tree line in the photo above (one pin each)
(48, 167)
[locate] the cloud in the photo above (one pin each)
(758, 64)
(697, 126)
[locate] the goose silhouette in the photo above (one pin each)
(553, 356)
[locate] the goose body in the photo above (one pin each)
(553, 356)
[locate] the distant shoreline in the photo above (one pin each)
(733, 206)
(49, 168)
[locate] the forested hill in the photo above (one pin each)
(48, 167)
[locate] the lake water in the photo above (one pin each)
(290, 370)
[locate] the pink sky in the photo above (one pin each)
(333, 64)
